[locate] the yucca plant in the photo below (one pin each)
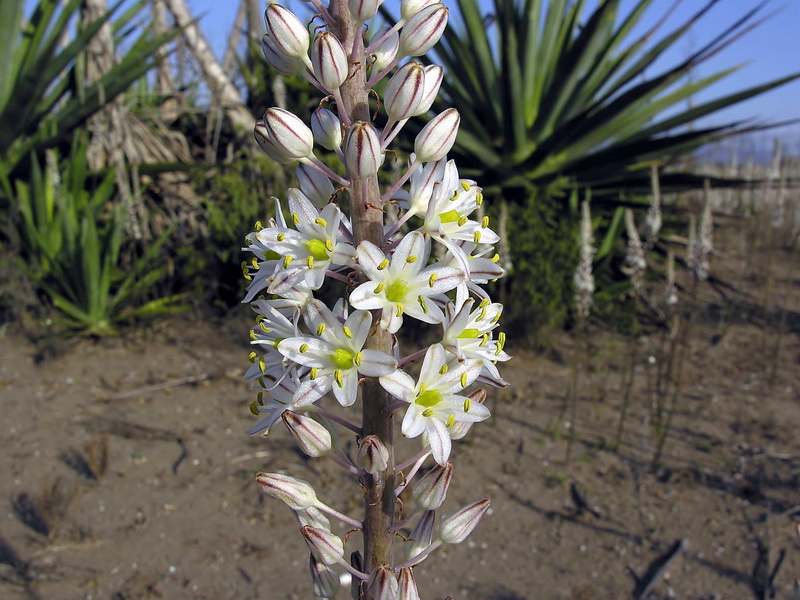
(72, 236)
(546, 93)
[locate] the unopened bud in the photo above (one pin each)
(404, 91)
(315, 185)
(382, 584)
(456, 527)
(362, 152)
(406, 584)
(311, 437)
(314, 517)
(437, 137)
(324, 545)
(329, 60)
(296, 493)
(461, 428)
(423, 30)
(421, 536)
(261, 134)
(433, 81)
(357, 562)
(288, 65)
(288, 133)
(364, 10)
(431, 490)
(287, 32)
(408, 8)
(324, 580)
(373, 456)
(385, 53)
(327, 129)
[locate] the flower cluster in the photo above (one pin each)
(428, 267)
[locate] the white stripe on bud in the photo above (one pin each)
(287, 32)
(311, 437)
(423, 30)
(364, 10)
(421, 536)
(407, 585)
(385, 53)
(288, 65)
(315, 185)
(405, 91)
(373, 456)
(326, 547)
(324, 580)
(433, 81)
(362, 151)
(382, 584)
(327, 129)
(295, 493)
(329, 60)
(288, 133)
(456, 527)
(437, 137)
(431, 490)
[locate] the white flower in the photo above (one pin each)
(401, 285)
(335, 356)
(434, 406)
(281, 389)
(308, 252)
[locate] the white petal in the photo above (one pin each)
(412, 245)
(369, 257)
(359, 323)
(400, 385)
(413, 423)
(446, 279)
(365, 298)
(439, 439)
(298, 203)
(346, 395)
(375, 363)
(311, 391)
(432, 364)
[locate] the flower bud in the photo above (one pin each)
(461, 428)
(364, 10)
(324, 545)
(324, 580)
(296, 493)
(261, 134)
(408, 8)
(456, 527)
(382, 584)
(404, 91)
(315, 185)
(362, 151)
(433, 81)
(438, 136)
(385, 53)
(421, 536)
(326, 128)
(311, 437)
(287, 65)
(314, 517)
(431, 490)
(423, 30)
(357, 562)
(288, 133)
(287, 32)
(407, 585)
(329, 60)
(373, 456)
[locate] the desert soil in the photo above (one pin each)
(127, 473)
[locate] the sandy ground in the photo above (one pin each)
(127, 473)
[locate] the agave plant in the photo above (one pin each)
(545, 93)
(43, 94)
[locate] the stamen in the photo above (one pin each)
(280, 237)
(295, 218)
(328, 245)
(399, 309)
(421, 300)
(252, 335)
(310, 262)
(432, 279)
(462, 221)
(320, 329)
(428, 412)
(262, 364)
(258, 226)
(303, 348)
(450, 421)
(347, 332)
(357, 359)
(496, 258)
(467, 187)
(287, 260)
(479, 198)
(467, 404)
(411, 259)
(378, 288)
(321, 222)
(337, 375)
(485, 302)
(482, 315)
(476, 237)
(383, 264)
(463, 380)
(313, 374)
(485, 222)
(444, 369)
(252, 357)
(485, 339)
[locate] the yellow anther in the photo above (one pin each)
(422, 388)
(455, 195)
(260, 398)
(295, 218)
(443, 370)
(482, 315)
(347, 332)
(465, 184)
(485, 302)
(329, 245)
(337, 375)
(280, 237)
(467, 404)
(412, 259)
(496, 318)
(399, 308)
(321, 222)
(476, 237)
(254, 262)
(421, 300)
(479, 198)
(313, 374)
(383, 264)
(287, 260)
(485, 339)
(463, 380)
(252, 335)
(451, 420)
(254, 408)
(432, 279)
(310, 262)
(496, 258)
(262, 364)
(462, 221)
(264, 327)
(252, 357)
(357, 359)
(320, 329)
(501, 339)
(378, 288)
(428, 412)
(485, 222)
(258, 226)
(303, 348)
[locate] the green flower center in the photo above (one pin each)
(397, 291)
(343, 358)
(429, 398)
(469, 334)
(451, 216)
(317, 249)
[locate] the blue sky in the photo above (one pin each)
(769, 52)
